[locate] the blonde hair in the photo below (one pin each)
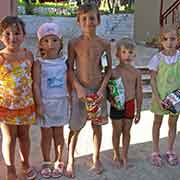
(167, 29)
(164, 30)
(126, 43)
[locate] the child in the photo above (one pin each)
(85, 52)
(165, 73)
(17, 110)
(122, 119)
(51, 96)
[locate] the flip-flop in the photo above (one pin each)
(171, 158)
(58, 170)
(30, 173)
(156, 159)
(45, 170)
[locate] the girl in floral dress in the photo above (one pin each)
(17, 110)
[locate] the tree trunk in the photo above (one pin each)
(28, 7)
(109, 6)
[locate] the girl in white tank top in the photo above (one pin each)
(51, 97)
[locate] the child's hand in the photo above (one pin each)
(81, 93)
(40, 110)
(160, 102)
(137, 117)
(100, 95)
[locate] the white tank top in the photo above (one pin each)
(53, 77)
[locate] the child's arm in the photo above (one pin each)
(69, 87)
(75, 83)
(154, 87)
(107, 76)
(36, 88)
(139, 98)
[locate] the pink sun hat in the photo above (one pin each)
(48, 29)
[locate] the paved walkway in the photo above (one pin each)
(140, 149)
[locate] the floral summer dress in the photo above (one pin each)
(16, 98)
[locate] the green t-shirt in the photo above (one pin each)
(168, 79)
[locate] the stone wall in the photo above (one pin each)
(111, 27)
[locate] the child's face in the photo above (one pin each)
(13, 36)
(169, 40)
(88, 21)
(125, 56)
(51, 44)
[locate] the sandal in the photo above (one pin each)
(171, 158)
(46, 171)
(30, 173)
(58, 170)
(156, 159)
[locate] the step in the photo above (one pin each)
(143, 69)
(147, 89)
(145, 77)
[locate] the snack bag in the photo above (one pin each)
(93, 109)
(116, 93)
(172, 101)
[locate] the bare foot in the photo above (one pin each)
(97, 167)
(126, 165)
(70, 171)
(117, 163)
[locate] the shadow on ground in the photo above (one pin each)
(138, 158)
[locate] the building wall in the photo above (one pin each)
(146, 19)
(8, 7)
(111, 26)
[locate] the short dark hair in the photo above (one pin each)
(9, 21)
(87, 7)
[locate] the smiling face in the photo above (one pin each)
(169, 40)
(88, 21)
(125, 55)
(12, 36)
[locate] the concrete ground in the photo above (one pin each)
(139, 152)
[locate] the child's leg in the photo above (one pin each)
(172, 122)
(155, 132)
(171, 156)
(72, 141)
(127, 123)
(46, 138)
(97, 138)
(58, 135)
(24, 143)
(9, 134)
(116, 134)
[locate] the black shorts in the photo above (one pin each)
(127, 112)
(116, 114)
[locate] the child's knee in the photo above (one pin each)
(157, 123)
(172, 125)
(9, 140)
(126, 133)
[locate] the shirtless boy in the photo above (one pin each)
(84, 60)
(122, 119)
